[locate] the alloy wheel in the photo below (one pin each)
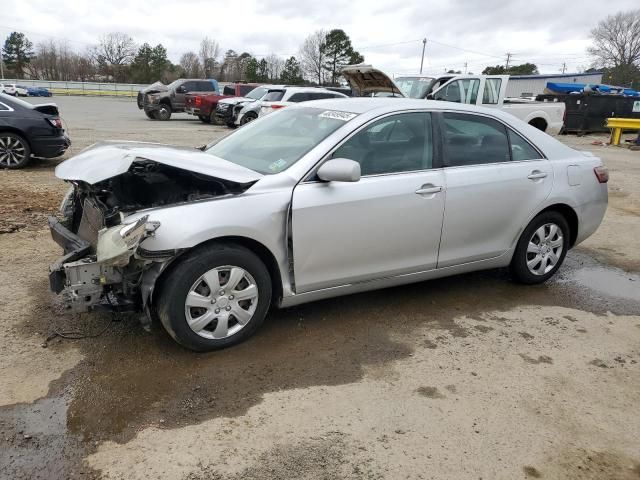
(545, 249)
(12, 151)
(221, 302)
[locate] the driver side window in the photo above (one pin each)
(398, 143)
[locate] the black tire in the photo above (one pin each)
(231, 125)
(15, 151)
(151, 115)
(180, 279)
(204, 119)
(519, 269)
(164, 112)
(248, 117)
(214, 119)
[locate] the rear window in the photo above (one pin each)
(205, 86)
(273, 96)
(244, 89)
(229, 90)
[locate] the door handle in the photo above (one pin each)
(427, 190)
(536, 175)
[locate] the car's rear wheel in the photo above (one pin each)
(248, 117)
(150, 115)
(214, 119)
(14, 151)
(215, 297)
(164, 112)
(204, 118)
(541, 249)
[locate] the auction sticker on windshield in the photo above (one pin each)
(344, 116)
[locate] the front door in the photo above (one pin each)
(388, 223)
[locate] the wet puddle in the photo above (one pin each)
(131, 379)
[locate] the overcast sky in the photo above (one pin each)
(388, 34)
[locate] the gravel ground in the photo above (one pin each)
(467, 377)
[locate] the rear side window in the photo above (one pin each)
(274, 96)
(205, 86)
(189, 86)
(228, 90)
(301, 97)
(474, 140)
(491, 93)
(521, 149)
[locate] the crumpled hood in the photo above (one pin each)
(107, 159)
(236, 100)
(155, 87)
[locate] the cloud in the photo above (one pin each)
(389, 35)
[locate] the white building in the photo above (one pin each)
(532, 85)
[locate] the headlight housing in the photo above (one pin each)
(117, 244)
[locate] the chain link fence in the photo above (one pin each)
(96, 89)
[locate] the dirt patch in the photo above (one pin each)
(26, 207)
(430, 392)
(536, 361)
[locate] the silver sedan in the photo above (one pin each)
(314, 201)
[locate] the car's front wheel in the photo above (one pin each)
(248, 117)
(164, 112)
(14, 151)
(541, 248)
(215, 297)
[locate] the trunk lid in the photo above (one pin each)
(47, 109)
(367, 80)
(109, 159)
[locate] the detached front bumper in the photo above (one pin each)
(74, 248)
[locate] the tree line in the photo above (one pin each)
(117, 58)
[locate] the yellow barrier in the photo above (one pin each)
(617, 125)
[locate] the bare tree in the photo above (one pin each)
(113, 53)
(616, 43)
(190, 63)
(209, 53)
(275, 65)
(312, 56)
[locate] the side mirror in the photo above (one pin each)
(430, 96)
(181, 89)
(339, 170)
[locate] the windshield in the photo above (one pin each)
(277, 141)
(414, 87)
(257, 93)
(273, 96)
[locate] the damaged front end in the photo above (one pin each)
(102, 224)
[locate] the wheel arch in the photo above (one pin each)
(570, 216)
(263, 253)
(539, 122)
(15, 131)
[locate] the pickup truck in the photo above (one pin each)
(159, 101)
(204, 105)
(484, 90)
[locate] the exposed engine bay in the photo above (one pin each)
(103, 266)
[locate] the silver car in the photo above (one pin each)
(314, 201)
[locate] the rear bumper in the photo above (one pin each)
(49, 146)
(193, 111)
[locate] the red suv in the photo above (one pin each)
(204, 105)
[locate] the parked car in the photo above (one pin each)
(317, 200)
(204, 105)
(38, 92)
(21, 91)
(482, 90)
(8, 88)
(159, 101)
(29, 131)
(227, 109)
(279, 98)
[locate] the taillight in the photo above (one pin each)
(55, 122)
(197, 101)
(602, 174)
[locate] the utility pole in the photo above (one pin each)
(564, 67)
(1, 65)
(424, 46)
(465, 68)
(509, 55)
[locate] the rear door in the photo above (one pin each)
(388, 223)
(495, 180)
